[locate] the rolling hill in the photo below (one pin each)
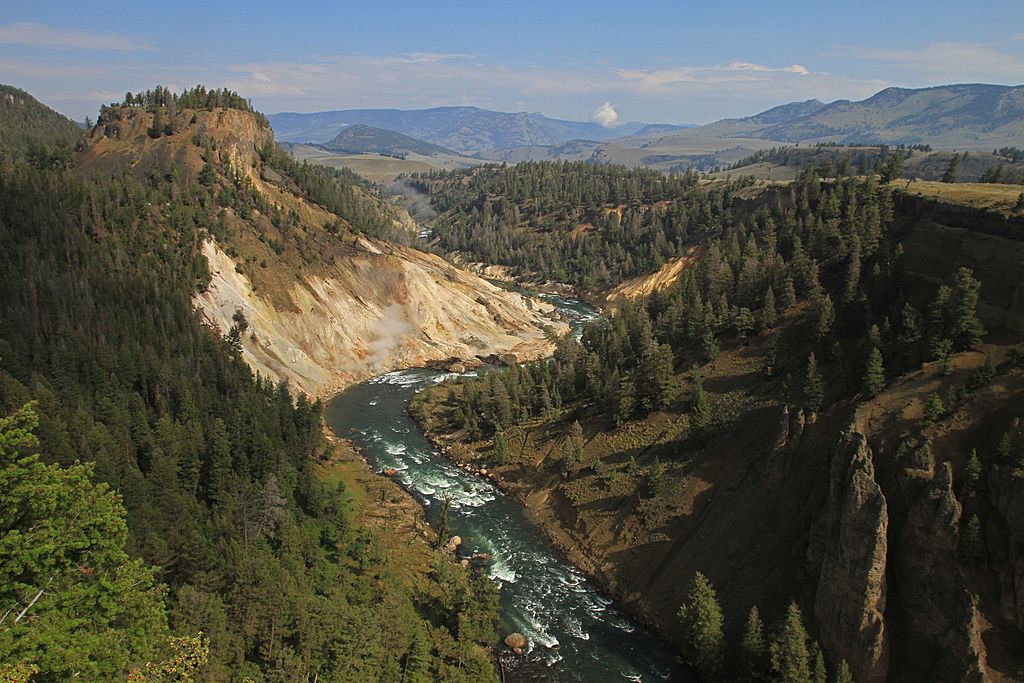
(363, 139)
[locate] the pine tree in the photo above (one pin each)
(932, 410)
(1020, 203)
(972, 470)
(967, 328)
(76, 605)
(972, 547)
(700, 408)
(157, 129)
(626, 401)
(753, 650)
(819, 674)
(417, 661)
(874, 374)
(825, 318)
(952, 173)
(814, 385)
(500, 448)
(789, 654)
(659, 379)
(843, 674)
(769, 314)
(574, 443)
(1003, 449)
(709, 345)
(702, 621)
(788, 297)
(656, 478)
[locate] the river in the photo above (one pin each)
(576, 634)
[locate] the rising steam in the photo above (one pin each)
(388, 336)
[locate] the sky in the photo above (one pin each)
(608, 62)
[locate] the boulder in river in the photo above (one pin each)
(516, 642)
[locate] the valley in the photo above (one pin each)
(458, 394)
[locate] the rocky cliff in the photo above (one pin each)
(852, 542)
(315, 302)
(383, 308)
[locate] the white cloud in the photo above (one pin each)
(734, 72)
(38, 35)
(605, 115)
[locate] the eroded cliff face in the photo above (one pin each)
(385, 307)
(323, 305)
(942, 632)
(852, 543)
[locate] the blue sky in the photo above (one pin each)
(611, 62)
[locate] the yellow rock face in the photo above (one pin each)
(390, 307)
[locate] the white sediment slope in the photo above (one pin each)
(388, 307)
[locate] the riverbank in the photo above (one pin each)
(575, 632)
(535, 500)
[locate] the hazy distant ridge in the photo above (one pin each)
(468, 130)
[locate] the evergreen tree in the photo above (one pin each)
(626, 402)
(972, 546)
(874, 373)
(500, 448)
(1004, 448)
(967, 329)
(819, 673)
(972, 470)
(753, 650)
(658, 377)
(814, 385)
(932, 410)
(700, 408)
(952, 174)
(157, 129)
(702, 621)
(417, 662)
(789, 655)
(769, 313)
(1020, 203)
(788, 298)
(75, 604)
(574, 443)
(843, 674)
(656, 478)
(825, 317)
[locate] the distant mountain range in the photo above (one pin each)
(467, 130)
(965, 116)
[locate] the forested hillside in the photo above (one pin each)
(29, 128)
(573, 222)
(707, 452)
(231, 540)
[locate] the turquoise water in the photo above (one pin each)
(576, 634)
